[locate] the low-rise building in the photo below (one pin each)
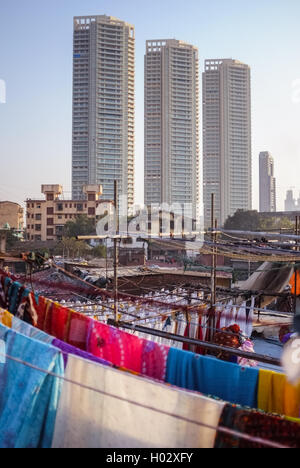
(11, 214)
(46, 218)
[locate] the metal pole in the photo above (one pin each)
(192, 341)
(213, 260)
(116, 250)
(106, 261)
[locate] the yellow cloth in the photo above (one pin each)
(6, 318)
(276, 395)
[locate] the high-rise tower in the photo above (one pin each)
(226, 138)
(103, 105)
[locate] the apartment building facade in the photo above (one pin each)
(267, 183)
(11, 214)
(227, 150)
(171, 123)
(103, 106)
(46, 218)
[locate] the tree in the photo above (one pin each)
(74, 248)
(243, 221)
(253, 221)
(82, 226)
(11, 239)
(99, 251)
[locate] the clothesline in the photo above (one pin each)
(209, 376)
(224, 430)
(192, 341)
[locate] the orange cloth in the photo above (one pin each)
(292, 283)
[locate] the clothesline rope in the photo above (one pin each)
(224, 430)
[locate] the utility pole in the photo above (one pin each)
(213, 271)
(116, 250)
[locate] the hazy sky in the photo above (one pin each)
(36, 64)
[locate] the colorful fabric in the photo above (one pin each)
(6, 318)
(28, 397)
(26, 309)
(5, 284)
(154, 360)
(78, 331)
(256, 424)
(115, 346)
(57, 320)
(71, 350)
(210, 376)
(30, 331)
(276, 395)
(229, 337)
(116, 416)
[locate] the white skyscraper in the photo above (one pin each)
(267, 183)
(226, 138)
(171, 123)
(103, 105)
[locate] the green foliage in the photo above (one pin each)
(11, 239)
(73, 248)
(82, 226)
(253, 221)
(99, 251)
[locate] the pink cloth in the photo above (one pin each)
(115, 346)
(128, 351)
(154, 360)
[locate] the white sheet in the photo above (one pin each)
(87, 419)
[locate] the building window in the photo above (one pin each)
(91, 211)
(50, 197)
(38, 238)
(60, 207)
(91, 197)
(38, 217)
(50, 232)
(79, 207)
(50, 211)
(38, 227)
(50, 222)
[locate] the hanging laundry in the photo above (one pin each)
(154, 360)
(87, 419)
(229, 337)
(6, 318)
(256, 424)
(79, 326)
(28, 397)
(211, 376)
(115, 346)
(71, 350)
(30, 331)
(277, 395)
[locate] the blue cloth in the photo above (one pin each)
(28, 397)
(14, 297)
(30, 331)
(210, 376)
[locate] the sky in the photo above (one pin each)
(36, 67)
